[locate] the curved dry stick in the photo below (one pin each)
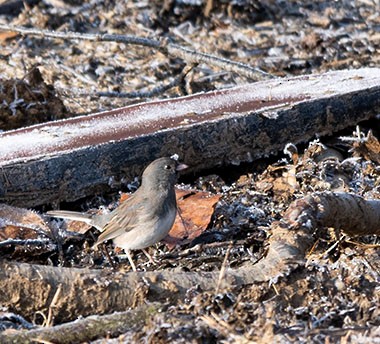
(345, 211)
(164, 46)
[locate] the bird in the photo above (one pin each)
(145, 218)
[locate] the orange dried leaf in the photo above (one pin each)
(7, 35)
(196, 209)
(124, 197)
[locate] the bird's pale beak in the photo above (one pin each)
(181, 167)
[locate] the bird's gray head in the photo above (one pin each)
(162, 173)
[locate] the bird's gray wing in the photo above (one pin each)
(124, 219)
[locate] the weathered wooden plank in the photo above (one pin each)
(69, 159)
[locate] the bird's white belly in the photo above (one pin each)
(147, 234)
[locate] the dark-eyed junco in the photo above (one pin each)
(146, 217)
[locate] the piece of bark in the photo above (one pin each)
(340, 210)
(367, 147)
(84, 330)
(70, 159)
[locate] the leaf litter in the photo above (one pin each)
(336, 296)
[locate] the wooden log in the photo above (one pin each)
(69, 159)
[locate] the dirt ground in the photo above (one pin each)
(335, 296)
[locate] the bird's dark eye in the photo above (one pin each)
(167, 167)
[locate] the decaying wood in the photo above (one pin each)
(345, 211)
(83, 330)
(29, 288)
(70, 159)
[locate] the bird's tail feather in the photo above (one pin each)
(72, 215)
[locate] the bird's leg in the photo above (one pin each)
(149, 256)
(184, 224)
(107, 254)
(128, 253)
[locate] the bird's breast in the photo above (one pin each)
(147, 232)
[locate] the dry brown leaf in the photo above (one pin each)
(287, 184)
(20, 223)
(281, 180)
(196, 209)
(319, 20)
(368, 148)
(6, 35)
(77, 226)
(318, 152)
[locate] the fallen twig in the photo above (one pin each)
(164, 46)
(137, 94)
(87, 292)
(223, 268)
